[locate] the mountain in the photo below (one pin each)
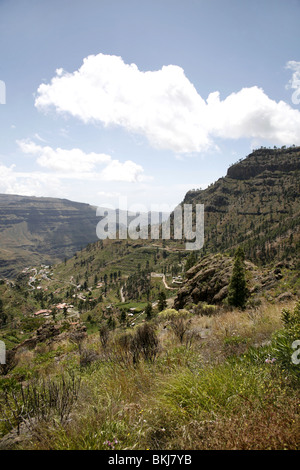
(256, 205)
(208, 281)
(37, 230)
(92, 324)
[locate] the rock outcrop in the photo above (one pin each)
(209, 279)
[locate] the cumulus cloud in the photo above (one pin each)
(250, 113)
(116, 171)
(165, 107)
(28, 183)
(75, 163)
(294, 82)
(74, 160)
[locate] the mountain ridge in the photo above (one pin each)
(255, 205)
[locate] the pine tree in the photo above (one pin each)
(148, 311)
(237, 290)
(190, 261)
(162, 303)
(123, 317)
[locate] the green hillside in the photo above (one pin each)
(256, 206)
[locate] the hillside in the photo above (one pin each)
(208, 280)
(130, 344)
(46, 230)
(42, 230)
(256, 205)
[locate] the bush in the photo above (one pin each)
(10, 362)
(282, 340)
(144, 342)
(104, 335)
(88, 356)
(39, 402)
(171, 313)
(77, 337)
(203, 308)
(235, 345)
(180, 326)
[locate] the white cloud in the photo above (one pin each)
(127, 171)
(162, 105)
(74, 160)
(75, 163)
(250, 113)
(165, 107)
(28, 184)
(38, 137)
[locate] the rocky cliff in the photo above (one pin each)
(209, 279)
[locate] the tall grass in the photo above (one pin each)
(200, 395)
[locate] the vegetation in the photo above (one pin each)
(125, 346)
(255, 206)
(148, 389)
(237, 290)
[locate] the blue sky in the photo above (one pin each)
(143, 99)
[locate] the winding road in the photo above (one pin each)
(163, 279)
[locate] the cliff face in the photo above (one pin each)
(42, 230)
(266, 161)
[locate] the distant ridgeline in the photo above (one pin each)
(256, 205)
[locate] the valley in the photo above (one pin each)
(141, 338)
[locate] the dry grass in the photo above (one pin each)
(190, 397)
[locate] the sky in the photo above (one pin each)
(138, 101)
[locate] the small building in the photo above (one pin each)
(42, 312)
(61, 306)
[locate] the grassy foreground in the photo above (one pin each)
(227, 382)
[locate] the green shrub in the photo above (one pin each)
(171, 313)
(283, 339)
(203, 308)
